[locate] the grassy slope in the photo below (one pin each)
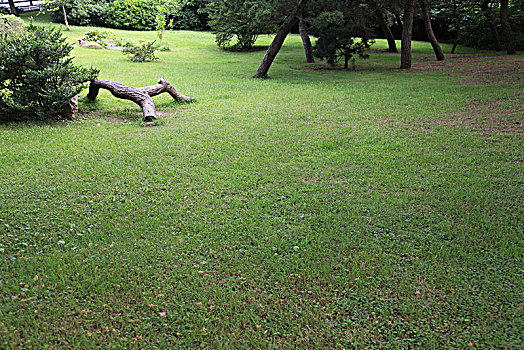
(314, 209)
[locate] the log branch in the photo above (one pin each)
(141, 96)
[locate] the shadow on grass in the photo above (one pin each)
(255, 48)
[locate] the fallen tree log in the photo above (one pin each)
(141, 96)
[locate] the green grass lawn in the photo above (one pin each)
(373, 208)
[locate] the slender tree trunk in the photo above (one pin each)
(308, 48)
(457, 40)
(429, 31)
(407, 33)
(12, 8)
(65, 17)
(489, 15)
(392, 45)
(506, 28)
(278, 41)
(379, 13)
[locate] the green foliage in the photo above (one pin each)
(81, 12)
(133, 14)
(188, 14)
(99, 36)
(337, 38)
(11, 25)
(123, 42)
(37, 76)
(142, 52)
(238, 23)
(160, 21)
(470, 23)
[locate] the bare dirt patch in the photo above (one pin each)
(477, 70)
(503, 116)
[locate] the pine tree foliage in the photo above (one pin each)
(37, 75)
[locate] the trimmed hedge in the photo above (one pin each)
(133, 14)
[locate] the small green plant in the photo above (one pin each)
(99, 36)
(160, 21)
(164, 47)
(142, 52)
(123, 42)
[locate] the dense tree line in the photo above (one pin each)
(343, 29)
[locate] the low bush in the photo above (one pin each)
(11, 25)
(37, 76)
(99, 36)
(142, 52)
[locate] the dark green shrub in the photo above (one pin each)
(133, 14)
(188, 14)
(83, 12)
(238, 23)
(340, 36)
(143, 52)
(37, 76)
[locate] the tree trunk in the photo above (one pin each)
(392, 45)
(429, 31)
(12, 8)
(65, 17)
(489, 15)
(70, 110)
(407, 32)
(141, 96)
(457, 40)
(506, 28)
(278, 41)
(308, 48)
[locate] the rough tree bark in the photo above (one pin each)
(429, 31)
(407, 32)
(511, 44)
(12, 8)
(282, 33)
(308, 48)
(70, 110)
(141, 96)
(484, 6)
